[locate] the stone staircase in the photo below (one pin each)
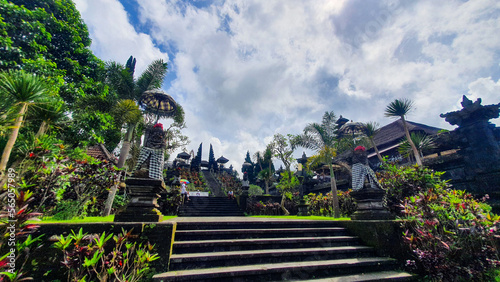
(212, 182)
(274, 251)
(210, 206)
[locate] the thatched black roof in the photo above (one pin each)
(394, 132)
(184, 155)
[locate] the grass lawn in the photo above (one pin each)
(312, 217)
(109, 218)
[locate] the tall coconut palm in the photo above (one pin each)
(371, 129)
(322, 138)
(400, 108)
(24, 90)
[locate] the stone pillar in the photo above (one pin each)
(143, 206)
(370, 205)
(303, 208)
(244, 195)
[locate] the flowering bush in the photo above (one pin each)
(18, 246)
(260, 208)
(453, 237)
(66, 182)
(322, 205)
(402, 182)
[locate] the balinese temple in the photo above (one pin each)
(390, 137)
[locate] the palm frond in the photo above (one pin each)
(152, 77)
(422, 141)
(399, 108)
(371, 129)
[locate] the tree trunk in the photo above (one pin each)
(413, 147)
(126, 146)
(336, 208)
(43, 128)
(376, 150)
(111, 198)
(267, 187)
(12, 139)
(121, 161)
(283, 204)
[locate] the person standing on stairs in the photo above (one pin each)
(184, 193)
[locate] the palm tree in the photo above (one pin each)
(24, 90)
(400, 108)
(121, 80)
(126, 112)
(323, 138)
(421, 140)
(52, 114)
(371, 129)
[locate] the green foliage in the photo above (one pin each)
(421, 140)
(97, 257)
(255, 190)
(399, 108)
(50, 39)
(68, 182)
(403, 182)
(322, 205)
(453, 236)
(17, 231)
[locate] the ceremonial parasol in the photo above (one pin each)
(352, 128)
(158, 103)
(222, 160)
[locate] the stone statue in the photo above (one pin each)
(362, 175)
(154, 151)
(367, 192)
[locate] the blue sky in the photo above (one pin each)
(245, 69)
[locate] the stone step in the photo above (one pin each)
(203, 225)
(215, 259)
(189, 235)
(281, 271)
(217, 207)
(373, 276)
(202, 214)
(208, 246)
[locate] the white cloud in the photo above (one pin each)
(245, 70)
(113, 36)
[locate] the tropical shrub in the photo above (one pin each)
(255, 190)
(18, 245)
(169, 202)
(66, 182)
(98, 258)
(402, 182)
(452, 236)
(260, 208)
(322, 205)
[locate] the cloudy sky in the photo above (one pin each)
(246, 69)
